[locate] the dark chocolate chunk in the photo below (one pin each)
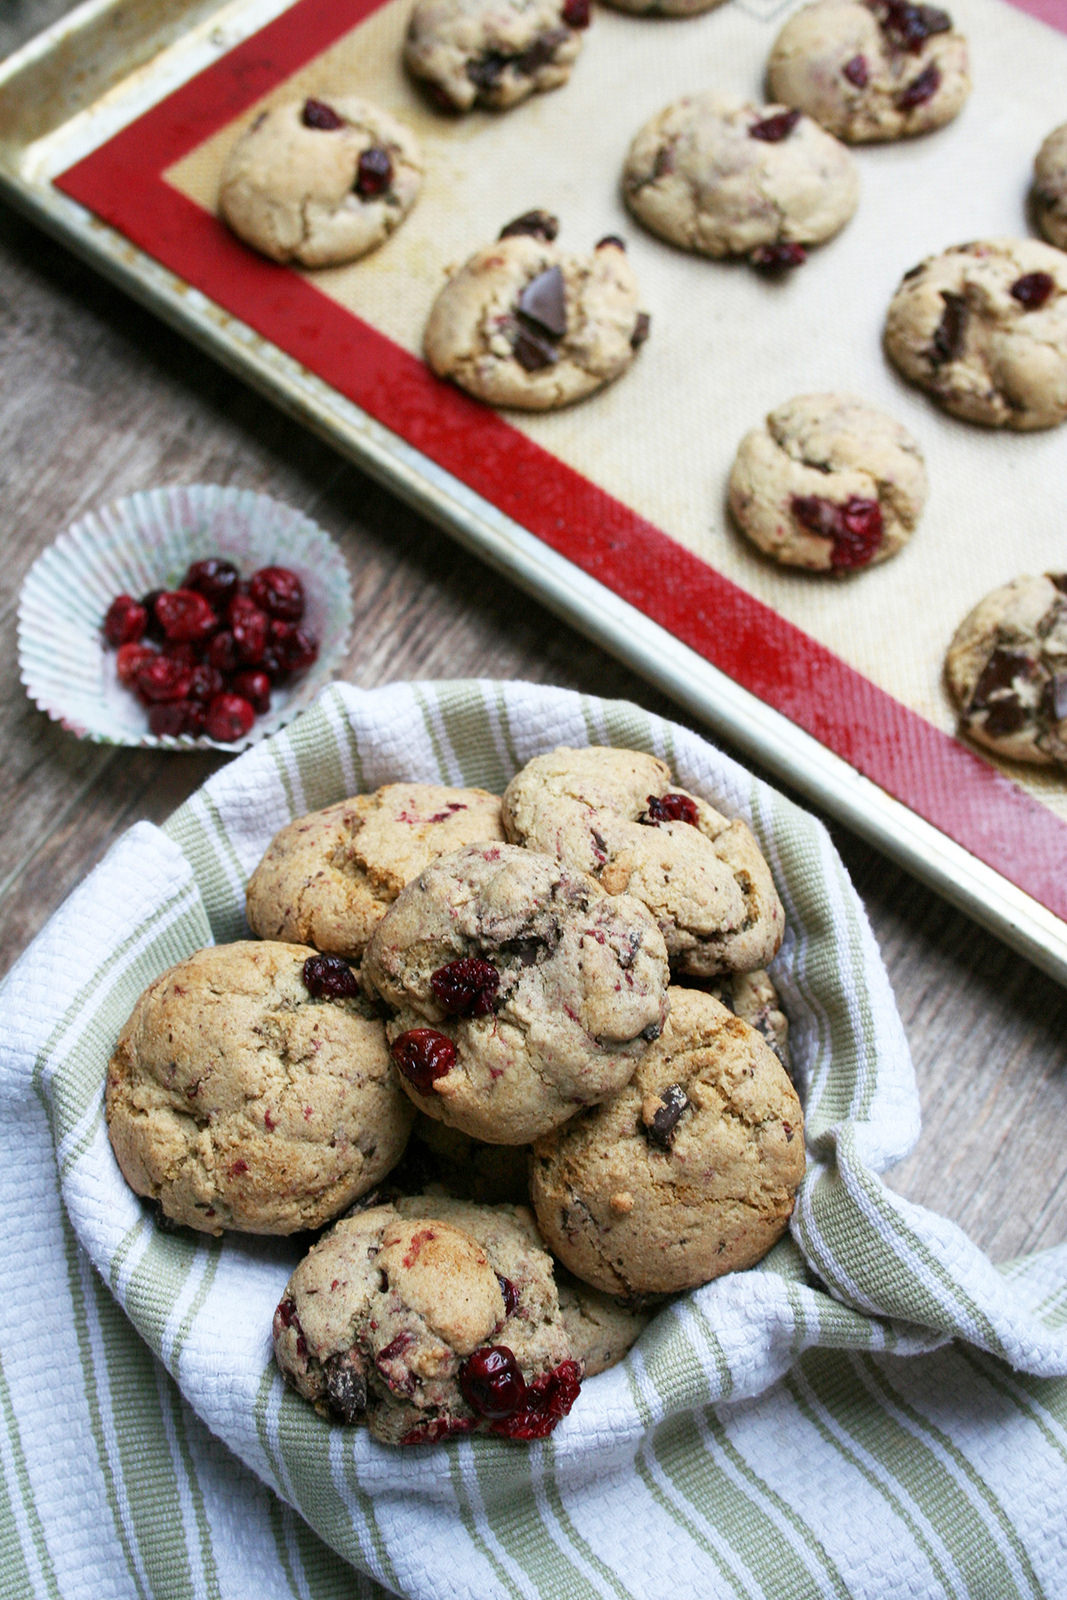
(662, 1127)
(948, 335)
(532, 350)
(642, 328)
(543, 303)
(346, 1386)
(999, 675)
(538, 224)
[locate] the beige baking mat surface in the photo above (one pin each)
(727, 345)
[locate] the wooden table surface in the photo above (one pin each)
(98, 399)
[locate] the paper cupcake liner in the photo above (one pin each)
(145, 542)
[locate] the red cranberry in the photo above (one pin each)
(330, 978)
(185, 616)
(317, 114)
(778, 257)
(229, 718)
(221, 651)
(170, 717)
(854, 528)
(279, 592)
(1032, 289)
(856, 71)
(125, 621)
(548, 1400)
(672, 808)
(215, 579)
(510, 1293)
(775, 128)
(294, 648)
(129, 661)
(491, 1382)
(576, 13)
(422, 1056)
(207, 682)
(254, 684)
(467, 987)
(249, 625)
(180, 650)
(908, 26)
(374, 173)
(920, 89)
(163, 679)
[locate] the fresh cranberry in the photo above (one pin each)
(548, 1400)
(163, 679)
(374, 172)
(775, 128)
(856, 71)
(294, 648)
(279, 592)
(855, 528)
(125, 621)
(185, 616)
(317, 114)
(467, 987)
(170, 717)
(778, 257)
(330, 978)
(422, 1055)
(249, 625)
(229, 718)
(1032, 289)
(920, 89)
(215, 579)
(491, 1382)
(672, 808)
(129, 661)
(207, 682)
(182, 650)
(576, 13)
(221, 651)
(254, 684)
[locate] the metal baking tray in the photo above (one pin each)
(610, 513)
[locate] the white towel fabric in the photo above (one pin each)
(875, 1411)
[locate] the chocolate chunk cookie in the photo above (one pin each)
(520, 991)
(1049, 192)
(871, 69)
(687, 1173)
(424, 1320)
(983, 328)
(251, 1090)
(320, 182)
(719, 176)
(828, 483)
(493, 53)
(327, 878)
(1006, 670)
(615, 815)
(524, 323)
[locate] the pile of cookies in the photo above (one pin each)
(524, 1048)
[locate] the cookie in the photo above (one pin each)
(442, 1158)
(753, 997)
(1006, 670)
(320, 182)
(983, 328)
(327, 878)
(1049, 191)
(493, 53)
(424, 1322)
(524, 323)
(249, 1090)
(721, 177)
(519, 990)
(615, 815)
(828, 483)
(688, 1172)
(601, 1328)
(871, 70)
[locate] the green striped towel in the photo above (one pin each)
(876, 1411)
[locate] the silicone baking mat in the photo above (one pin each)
(629, 486)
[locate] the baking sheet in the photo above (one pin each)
(613, 510)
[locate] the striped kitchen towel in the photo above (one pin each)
(875, 1411)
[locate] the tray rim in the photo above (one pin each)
(765, 736)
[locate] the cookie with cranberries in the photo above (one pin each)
(828, 483)
(427, 1320)
(251, 1089)
(320, 182)
(618, 816)
(493, 53)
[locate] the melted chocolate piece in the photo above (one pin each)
(948, 335)
(1004, 716)
(538, 224)
(642, 328)
(346, 1387)
(999, 675)
(533, 351)
(663, 1126)
(542, 303)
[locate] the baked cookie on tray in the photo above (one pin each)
(493, 53)
(519, 990)
(525, 323)
(871, 70)
(1006, 670)
(327, 878)
(615, 815)
(828, 483)
(983, 328)
(424, 1320)
(1049, 191)
(688, 1172)
(251, 1088)
(320, 181)
(720, 176)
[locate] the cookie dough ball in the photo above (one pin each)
(687, 1173)
(1049, 192)
(1006, 670)
(493, 53)
(983, 328)
(828, 483)
(600, 1327)
(246, 1093)
(425, 1322)
(871, 71)
(615, 815)
(320, 182)
(753, 997)
(520, 991)
(524, 323)
(327, 878)
(721, 177)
